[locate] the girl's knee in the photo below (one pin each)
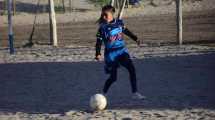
(113, 76)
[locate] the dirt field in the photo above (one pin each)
(177, 88)
(55, 83)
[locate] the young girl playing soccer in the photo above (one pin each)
(115, 54)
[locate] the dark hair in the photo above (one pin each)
(105, 8)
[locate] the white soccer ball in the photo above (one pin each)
(98, 102)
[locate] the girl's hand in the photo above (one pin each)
(135, 38)
(98, 57)
(138, 42)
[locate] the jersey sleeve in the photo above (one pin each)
(121, 23)
(99, 40)
(126, 31)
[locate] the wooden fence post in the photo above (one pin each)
(179, 21)
(53, 26)
(10, 26)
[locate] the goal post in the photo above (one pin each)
(179, 21)
(10, 26)
(53, 24)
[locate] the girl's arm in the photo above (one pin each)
(98, 47)
(127, 32)
(98, 43)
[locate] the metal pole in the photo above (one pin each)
(122, 10)
(70, 5)
(73, 5)
(10, 27)
(5, 6)
(179, 21)
(14, 7)
(117, 4)
(63, 4)
(127, 3)
(112, 2)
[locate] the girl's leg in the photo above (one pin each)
(111, 79)
(128, 64)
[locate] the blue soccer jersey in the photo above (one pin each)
(111, 34)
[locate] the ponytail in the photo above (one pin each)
(100, 20)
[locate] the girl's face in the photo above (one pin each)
(108, 16)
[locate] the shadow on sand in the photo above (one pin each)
(169, 83)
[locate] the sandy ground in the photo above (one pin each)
(45, 83)
(80, 54)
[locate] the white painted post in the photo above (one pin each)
(179, 21)
(112, 2)
(122, 10)
(10, 26)
(53, 24)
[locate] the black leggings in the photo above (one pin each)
(125, 61)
